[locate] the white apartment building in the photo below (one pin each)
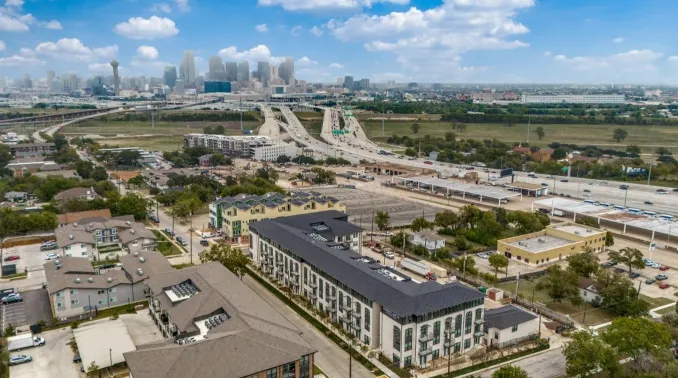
(573, 99)
(271, 153)
(411, 323)
(238, 146)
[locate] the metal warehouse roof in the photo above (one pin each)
(479, 190)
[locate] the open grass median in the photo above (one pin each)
(315, 322)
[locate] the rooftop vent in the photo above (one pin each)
(142, 259)
(90, 280)
(91, 224)
(75, 224)
(577, 233)
(70, 236)
(589, 230)
(128, 223)
(541, 240)
(77, 280)
(136, 254)
(140, 272)
(131, 231)
(109, 279)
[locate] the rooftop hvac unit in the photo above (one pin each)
(589, 230)
(541, 240)
(131, 231)
(140, 272)
(75, 224)
(91, 224)
(70, 236)
(128, 223)
(109, 280)
(136, 254)
(577, 233)
(90, 280)
(142, 259)
(77, 280)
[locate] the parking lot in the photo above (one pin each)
(55, 359)
(31, 258)
(34, 307)
(360, 205)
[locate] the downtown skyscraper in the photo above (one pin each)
(187, 71)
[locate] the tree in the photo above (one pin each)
(633, 149)
(618, 294)
(93, 369)
(510, 371)
(540, 132)
(630, 257)
(420, 223)
(186, 206)
(99, 173)
(635, 337)
(381, 219)
(584, 264)
(415, 128)
(465, 263)
(559, 153)
(526, 222)
(131, 204)
(410, 152)
(609, 239)
(461, 243)
(560, 284)
(84, 169)
(283, 159)
(136, 180)
(498, 261)
(586, 354)
(231, 258)
(128, 158)
(446, 218)
(218, 159)
(461, 127)
(619, 134)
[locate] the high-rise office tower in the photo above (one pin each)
(348, 82)
(282, 72)
(116, 77)
(179, 87)
(50, 79)
(289, 66)
(187, 71)
(274, 72)
(231, 71)
(264, 70)
(216, 69)
(243, 71)
(27, 82)
(170, 76)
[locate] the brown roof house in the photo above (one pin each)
(76, 287)
(64, 219)
(215, 326)
(86, 194)
(589, 290)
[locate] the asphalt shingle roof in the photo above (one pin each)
(402, 298)
(506, 317)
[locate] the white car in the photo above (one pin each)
(483, 255)
(51, 256)
(389, 255)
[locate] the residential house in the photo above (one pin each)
(509, 325)
(64, 219)
(158, 178)
(232, 215)
(86, 194)
(429, 240)
(31, 149)
(204, 160)
(75, 287)
(215, 326)
(411, 323)
(589, 290)
(542, 155)
(16, 196)
(84, 239)
(522, 150)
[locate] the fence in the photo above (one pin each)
(543, 310)
(519, 340)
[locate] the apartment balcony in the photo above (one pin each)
(295, 283)
(479, 321)
(279, 273)
(425, 352)
(344, 319)
(449, 331)
(355, 326)
(313, 285)
(279, 263)
(449, 343)
(294, 273)
(332, 308)
(347, 308)
(164, 318)
(356, 315)
(426, 337)
(312, 296)
(331, 297)
(479, 334)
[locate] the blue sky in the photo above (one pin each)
(487, 41)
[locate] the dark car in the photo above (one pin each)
(623, 187)
(564, 180)
(661, 277)
(77, 358)
(634, 275)
(675, 190)
(154, 219)
(619, 270)
(169, 232)
(204, 243)
(649, 203)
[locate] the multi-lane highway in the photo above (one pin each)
(51, 130)
(270, 127)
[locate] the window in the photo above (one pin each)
(75, 302)
(112, 299)
(83, 246)
(468, 323)
(367, 319)
(396, 338)
(515, 328)
(366, 340)
(289, 370)
(321, 288)
(68, 248)
(272, 373)
(341, 299)
(457, 326)
(436, 354)
(457, 347)
(408, 339)
(436, 332)
(304, 367)
(99, 292)
(84, 253)
(102, 301)
(408, 361)
(467, 343)
(111, 290)
(74, 291)
(60, 305)
(479, 313)
(59, 294)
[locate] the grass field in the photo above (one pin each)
(151, 143)
(600, 135)
(161, 128)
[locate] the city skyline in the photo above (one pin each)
(453, 41)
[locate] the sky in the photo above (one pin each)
(444, 41)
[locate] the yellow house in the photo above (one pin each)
(554, 243)
(238, 212)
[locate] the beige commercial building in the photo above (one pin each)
(553, 243)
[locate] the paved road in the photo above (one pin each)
(550, 364)
(330, 358)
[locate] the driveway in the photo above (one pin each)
(549, 364)
(55, 359)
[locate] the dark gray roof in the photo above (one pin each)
(402, 298)
(506, 317)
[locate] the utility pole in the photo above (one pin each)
(372, 233)
(191, 236)
(382, 119)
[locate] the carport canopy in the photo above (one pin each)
(484, 191)
(103, 343)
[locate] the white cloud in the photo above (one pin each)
(182, 5)
(633, 60)
(618, 40)
(672, 59)
(101, 67)
(255, 54)
(261, 28)
(316, 31)
(12, 18)
(147, 52)
(387, 76)
(296, 30)
(71, 49)
(306, 61)
(2, 46)
(20, 61)
(324, 5)
(151, 28)
(547, 53)
(336, 65)
(432, 39)
(161, 7)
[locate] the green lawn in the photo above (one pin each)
(161, 127)
(600, 135)
(154, 143)
(166, 247)
(656, 302)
